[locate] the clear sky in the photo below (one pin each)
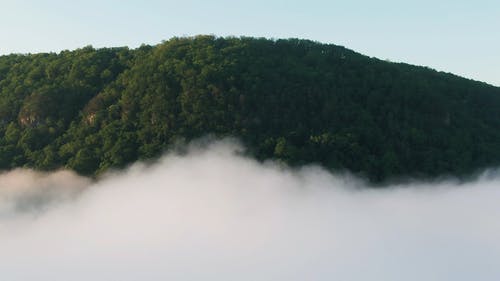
(457, 36)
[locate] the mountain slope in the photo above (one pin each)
(294, 100)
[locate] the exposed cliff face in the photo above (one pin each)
(30, 120)
(90, 118)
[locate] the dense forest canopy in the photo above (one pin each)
(294, 100)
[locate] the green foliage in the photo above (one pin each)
(294, 100)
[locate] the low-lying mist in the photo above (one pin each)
(212, 214)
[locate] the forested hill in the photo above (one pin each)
(294, 100)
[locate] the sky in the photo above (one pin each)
(453, 36)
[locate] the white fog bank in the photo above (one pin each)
(215, 215)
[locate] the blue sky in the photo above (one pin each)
(454, 36)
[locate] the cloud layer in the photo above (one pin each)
(212, 214)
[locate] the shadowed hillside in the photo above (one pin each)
(294, 100)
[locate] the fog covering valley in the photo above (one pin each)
(212, 214)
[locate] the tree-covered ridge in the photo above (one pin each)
(295, 100)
